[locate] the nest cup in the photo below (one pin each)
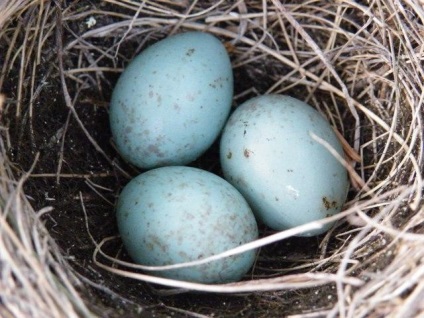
(359, 64)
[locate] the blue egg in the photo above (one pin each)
(172, 100)
(176, 214)
(287, 177)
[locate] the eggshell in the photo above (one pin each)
(171, 215)
(288, 178)
(172, 100)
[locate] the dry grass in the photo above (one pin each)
(360, 64)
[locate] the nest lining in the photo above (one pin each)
(359, 64)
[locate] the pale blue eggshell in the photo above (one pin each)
(172, 100)
(176, 214)
(288, 178)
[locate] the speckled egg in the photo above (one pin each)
(287, 177)
(172, 100)
(176, 214)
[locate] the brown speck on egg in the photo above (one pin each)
(190, 52)
(247, 153)
(329, 204)
(155, 149)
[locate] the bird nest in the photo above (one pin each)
(360, 63)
